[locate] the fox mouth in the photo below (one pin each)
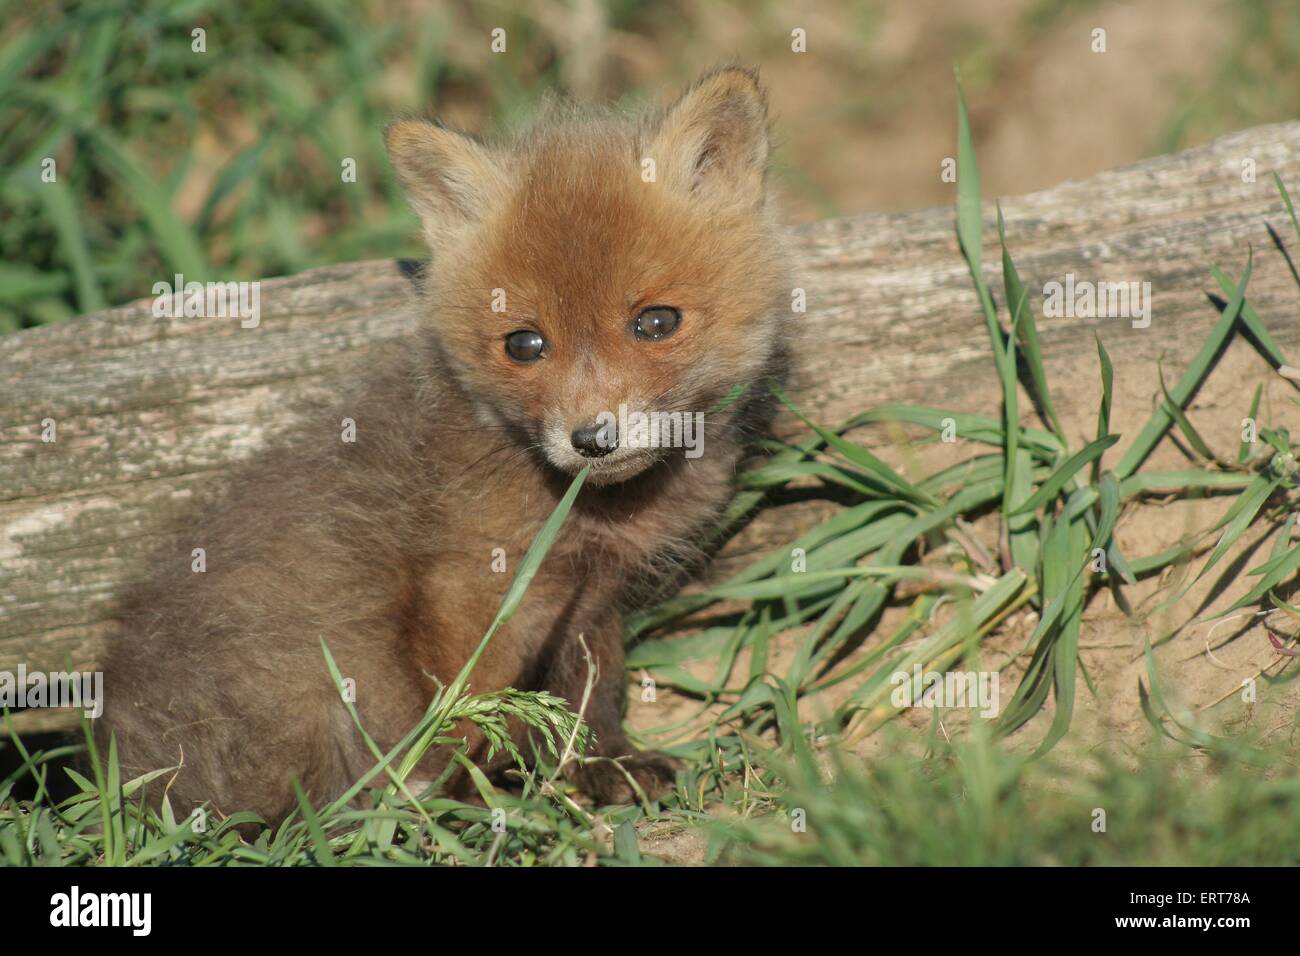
(605, 471)
(617, 465)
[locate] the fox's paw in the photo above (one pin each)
(606, 779)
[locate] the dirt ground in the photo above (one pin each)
(865, 117)
(865, 114)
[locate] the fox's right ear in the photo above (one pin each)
(449, 178)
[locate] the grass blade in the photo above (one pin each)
(1050, 488)
(1187, 385)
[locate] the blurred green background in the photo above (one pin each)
(226, 164)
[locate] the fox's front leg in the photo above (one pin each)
(603, 773)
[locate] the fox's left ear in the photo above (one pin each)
(713, 141)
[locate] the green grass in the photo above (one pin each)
(973, 804)
(225, 164)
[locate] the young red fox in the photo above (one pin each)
(595, 265)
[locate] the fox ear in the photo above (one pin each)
(449, 177)
(713, 140)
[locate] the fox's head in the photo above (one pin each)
(600, 263)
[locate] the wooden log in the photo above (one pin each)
(150, 413)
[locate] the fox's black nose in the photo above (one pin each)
(594, 441)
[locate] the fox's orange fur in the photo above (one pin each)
(384, 547)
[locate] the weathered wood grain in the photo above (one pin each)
(152, 412)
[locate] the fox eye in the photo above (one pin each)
(657, 322)
(525, 345)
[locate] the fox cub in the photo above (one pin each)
(593, 268)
